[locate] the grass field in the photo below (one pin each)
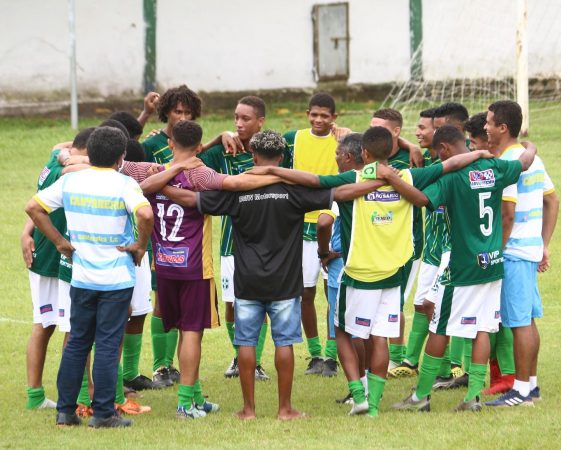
(24, 148)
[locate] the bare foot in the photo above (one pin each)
(291, 414)
(246, 415)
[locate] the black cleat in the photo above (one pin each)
(141, 383)
(115, 421)
(67, 419)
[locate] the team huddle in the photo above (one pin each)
(467, 214)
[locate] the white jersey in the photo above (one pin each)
(525, 241)
(98, 204)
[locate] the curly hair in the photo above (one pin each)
(181, 94)
(268, 144)
(476, 125)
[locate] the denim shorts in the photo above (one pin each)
(284, 315)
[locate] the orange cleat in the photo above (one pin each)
(132, 407)
(84, 411)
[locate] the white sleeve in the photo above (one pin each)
(51, 198)
(133, 196)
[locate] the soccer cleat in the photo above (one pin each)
(47, 404)
(392, 365)
(348, 400)
(456, 371)
(208, 407)
(473, 405)
(404, 370)
(443, 383)
(133, 408)
(359, 408)
(459, 382)
(315, 366)
(161, 376)
(115, 421)
(174, 374)
(408, 404)
(511, 398)
(141, 383)
(260, 374)
(67, 420)
(504, 385)
(233, 370)
(83, 410)
(535, 394)
(190, 413)
(329, 368)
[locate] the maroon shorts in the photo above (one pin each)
(188, 305)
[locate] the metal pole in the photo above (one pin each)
(73, 84)
(522, 95)
(149, 79)
(416, 38)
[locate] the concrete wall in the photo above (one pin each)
(219, 45)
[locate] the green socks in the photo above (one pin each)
(84, 395)
(314, 347)
(427, 374)
(493, 345)
(185, 395)
(120, 390)
(159, 342)
(261, 343)
(397, 352)
(456, 351)
(445, 370)
(376, 386)
(35, 396)
(467, 354)
(477, 374)
(505, 350)
(198, 393)
(357, 391)
(417, 336)
(331, 349)
(230, 329)
(132, 346)
(171, 345)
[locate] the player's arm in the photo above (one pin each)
(324, 227)
(289, 175)
(61, 146)
(351, 191)
(69, 160)
(75, 168)
(465, 159)
(27, 243)
(507, 213)
(550, 213)
(182, 197)
(150, 104)
(156, 182)
(527, 157)
(415, 154)
(144, 224)
(407, 191)
(247, 182)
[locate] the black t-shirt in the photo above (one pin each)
(268, 225)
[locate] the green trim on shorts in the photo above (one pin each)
(342, 305)
(445, 310)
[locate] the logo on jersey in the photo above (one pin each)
(43, 175)
(362, 322)
(497, 314)
(489, 259)
(46, 308)
(392, 318)
(381, 219)
(469, 321)
(225, 283)
(480, 179)
(382, 196)
(172, 257)
(440, 210)
(61, 313)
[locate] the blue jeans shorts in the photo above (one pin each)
(284, 315)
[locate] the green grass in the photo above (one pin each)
(25, 147)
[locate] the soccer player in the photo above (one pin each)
(249, 117)
(529, 211)
(469, 306)
(104, 253)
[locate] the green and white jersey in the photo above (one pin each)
(46, 256)
(65, 266)
(421, 178)
(473, 197)
(400, 161)
(156, 148)
(437, 230)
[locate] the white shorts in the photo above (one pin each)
(44, 296)
(311, 265)
(435, 293)
(369, 312)
(425, 282)
(465, 310)
(141, 303)
(64, 306)
(227, 276)
(411, 279)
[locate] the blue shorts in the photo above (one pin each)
(520, 298)
(285, 317)
(332, 301)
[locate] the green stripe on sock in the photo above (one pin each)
(477, 373)
(198, 393)
(417, 336)
(261, 343)
(132, 347)
(376, 386)
(120, 389)
(35, 396)
(427, 374)
(84, 395)
(230, 329)
(505, 350)
(314, 347)
(331, 349)
(159, 342)
(185, 395)
(171, 346)
(357, 391)
(493, 345)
